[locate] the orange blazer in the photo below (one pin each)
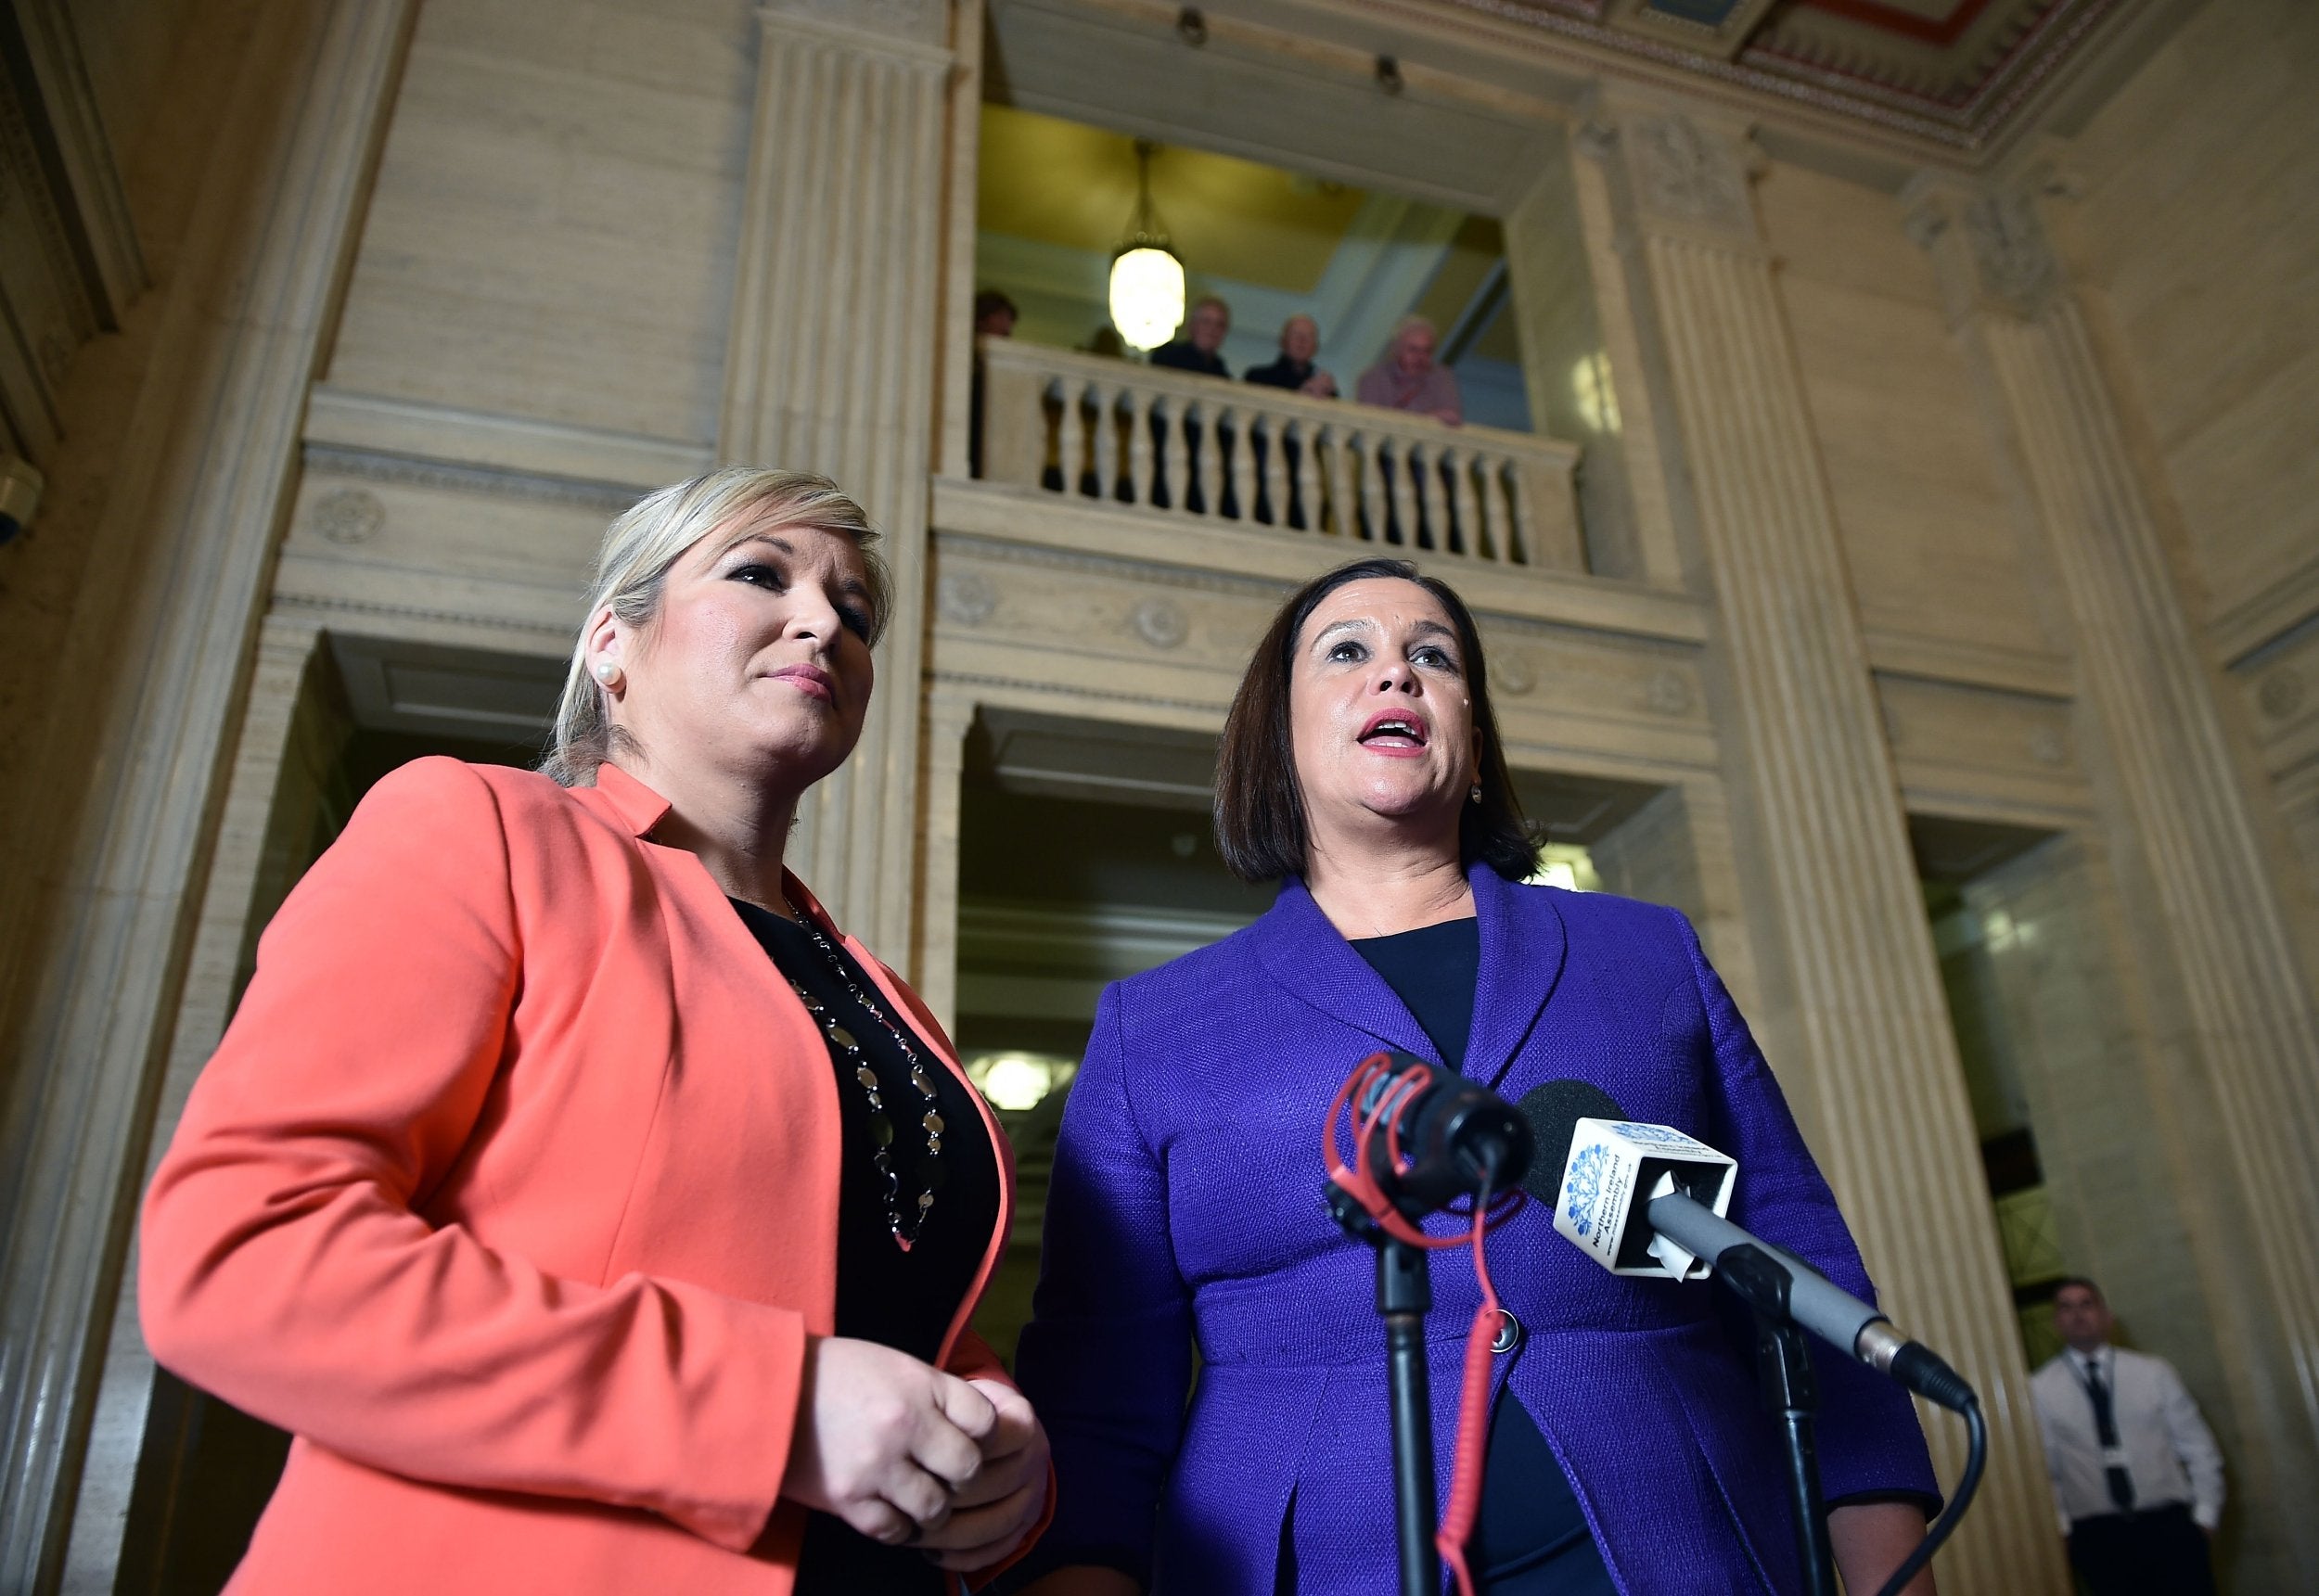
(513, 1191)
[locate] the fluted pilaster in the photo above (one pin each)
(193, 532)
(2252, 1017)
(830, 368)
(1879, 1076)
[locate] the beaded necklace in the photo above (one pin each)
(843, 1042)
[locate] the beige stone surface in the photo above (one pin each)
(2199, 227)
(553, 228)
(1929, 545)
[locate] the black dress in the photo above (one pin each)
(902, 1299)
(1531, 1538)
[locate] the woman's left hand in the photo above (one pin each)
(992, 1512)
(1870, 1539)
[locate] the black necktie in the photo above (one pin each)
(2106, 1427)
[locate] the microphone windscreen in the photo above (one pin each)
(1553, 1111)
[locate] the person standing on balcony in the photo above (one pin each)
(1198, 350)
(995, 314)
(598, 1214)
(1200, 346)
(2137, 1477)
(995, 317)
(1408, 377)
(1300, 341)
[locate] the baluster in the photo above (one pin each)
(1404, 490)
(1343, 520)
(1525, 532)
(1278, 444)
(1139, 413)
(1050, 469)
(1374, 525)
(1176, 450)
(1242, 422)
(1469, 541)
(1071, 446)
(1210, 462)
(1106, 442)
(1306, 506)
(1425, 471)
(1500, 510)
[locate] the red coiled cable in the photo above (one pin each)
(1362, 1182)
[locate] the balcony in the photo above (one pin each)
(1274, 468)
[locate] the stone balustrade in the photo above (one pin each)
(1276, 463)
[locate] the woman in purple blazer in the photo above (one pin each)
(1627, 1450)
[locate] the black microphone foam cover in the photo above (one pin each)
(1553, 1111)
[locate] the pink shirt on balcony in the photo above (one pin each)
(1432, 391)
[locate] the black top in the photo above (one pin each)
(1530, 1538)
(904, 1300)
(1282, 373)
(1185, 355)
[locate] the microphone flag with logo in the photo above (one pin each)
(1616, 1168)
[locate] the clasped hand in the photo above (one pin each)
(909, 1455)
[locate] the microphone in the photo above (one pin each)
(1455, 1137)
(1649, 1200)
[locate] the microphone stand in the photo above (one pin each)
(1783, 1369)
(1405, 1296)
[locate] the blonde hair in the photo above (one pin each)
(643, 545)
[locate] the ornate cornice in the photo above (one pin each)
(1825, 64)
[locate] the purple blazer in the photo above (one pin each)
(1185, 1206)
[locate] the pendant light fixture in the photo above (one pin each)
(1146, 276)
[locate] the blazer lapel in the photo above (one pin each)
(1523, 945)
(1314, 964)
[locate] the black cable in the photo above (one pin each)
(1976, 1458)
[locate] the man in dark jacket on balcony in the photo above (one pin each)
(1203, 335)
(1300, 341)
(1204, 331)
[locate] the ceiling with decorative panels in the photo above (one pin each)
(1953, 70)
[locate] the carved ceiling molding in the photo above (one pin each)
(1958, 83)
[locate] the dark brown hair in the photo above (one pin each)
(1261, 827)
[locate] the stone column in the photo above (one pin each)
(831, 367)
(950, 717)
(2226, 937)
(194, 514)
(1874, 1068)
(250, 874)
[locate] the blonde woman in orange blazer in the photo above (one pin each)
(519, 1187)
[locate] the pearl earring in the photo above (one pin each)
(606, 673)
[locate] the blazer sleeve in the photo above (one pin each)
(283, 1264)
(1870, 1443)
(1106, 1359)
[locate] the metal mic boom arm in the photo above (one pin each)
(1814, 1301)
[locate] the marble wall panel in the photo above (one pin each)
(125, 46)
(443, 555)
(2198, 228)
(1981, 751)
(1930, 545)
(1014, 619)
(2279, 693)
(556, 216)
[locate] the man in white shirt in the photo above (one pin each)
(2137, 1476)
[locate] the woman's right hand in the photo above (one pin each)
(882, 1440)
